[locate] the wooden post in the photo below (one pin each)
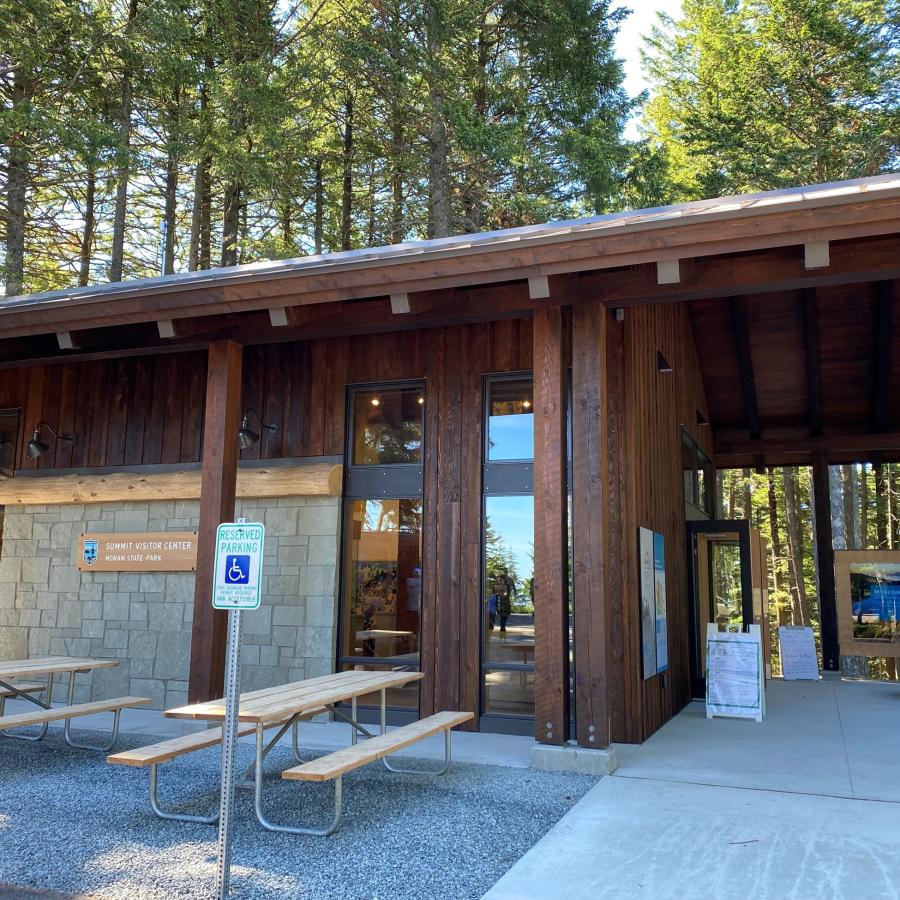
(551, 682)
(831, 651)
(217, 490)
(589, 509)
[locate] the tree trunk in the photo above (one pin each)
(863, 507)
(882, 505)
(438, 152)
(231, 223)
(747, 494)
(799, 605)
(320, 207)
(838, 509)
(287, 225)
(347, 182)
(396, 178)
(87, 237)
(199, 253)
(16, 194)
(777, 547)
(118, 235)
(170, 208)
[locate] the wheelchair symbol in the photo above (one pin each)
(237, 569)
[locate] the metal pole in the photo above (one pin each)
(229, 741)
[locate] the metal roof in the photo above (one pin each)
(722, 208)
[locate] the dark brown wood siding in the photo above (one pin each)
(647, 409)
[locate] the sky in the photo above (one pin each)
(630, 40)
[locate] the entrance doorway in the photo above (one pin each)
(727, 586)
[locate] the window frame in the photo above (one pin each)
(366, 481)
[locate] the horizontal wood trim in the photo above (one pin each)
(314, 480)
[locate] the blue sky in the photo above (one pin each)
(629, 42)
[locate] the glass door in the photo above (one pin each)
(721, 586)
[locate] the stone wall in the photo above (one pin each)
(48, 607)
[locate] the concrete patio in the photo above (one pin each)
(804, 805)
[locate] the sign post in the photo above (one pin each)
(236, 587)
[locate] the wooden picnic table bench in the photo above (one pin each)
(12, 673)
(282, 707)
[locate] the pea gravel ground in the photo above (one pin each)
(69, 822)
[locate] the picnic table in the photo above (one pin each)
(282, 707)
(16, 681)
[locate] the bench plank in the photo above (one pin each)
(70, 712)
(334, 764)
(163, 751)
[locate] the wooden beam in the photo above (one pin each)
(166, 328)
(816, 255)
(217, 492)
(668, 271)
(551, 682)
(313, 480)
(538, 287)
(399, 304)
(737, 450)
(813, 375)
(64, 339)
(824, 553)
(590, 507)
(278, 317)
(734, 274)
(745, 364)
(884, 319)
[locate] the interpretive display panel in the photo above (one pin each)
(654, 624)
(868, 595)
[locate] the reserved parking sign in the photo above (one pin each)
(239, 552)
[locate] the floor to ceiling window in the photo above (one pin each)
(381, 586)
(507, 630)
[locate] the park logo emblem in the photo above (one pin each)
(89, 552)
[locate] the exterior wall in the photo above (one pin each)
(47, 607)
(647, 409)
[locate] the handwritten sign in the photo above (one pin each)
(735, 686)
(798, 653)
(162, 551)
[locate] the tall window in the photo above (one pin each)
(699, 484)
(507, 651)
(381, 593)
(9, 435)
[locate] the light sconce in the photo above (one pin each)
(36, 447)
(375, 401)
(247, 437)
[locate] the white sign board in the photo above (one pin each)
(735, 683)
(797, 648)
(239, 553)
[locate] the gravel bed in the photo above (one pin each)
(70, 822)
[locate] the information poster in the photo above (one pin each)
(648, 603)
(659, 584)
(654, 625)
(734, 674)
(797, 648)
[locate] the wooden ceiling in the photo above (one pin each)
(791, 373)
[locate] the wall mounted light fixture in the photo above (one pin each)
(247, 437)
(36, 447)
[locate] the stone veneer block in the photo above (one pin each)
(143, 619)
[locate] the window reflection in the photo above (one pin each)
(387, 426)
(508, 604)
(383, 580)
(511, 419)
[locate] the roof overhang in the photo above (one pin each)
(809, 215)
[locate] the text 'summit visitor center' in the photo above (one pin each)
(454, 446)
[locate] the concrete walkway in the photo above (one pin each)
(804, 805)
